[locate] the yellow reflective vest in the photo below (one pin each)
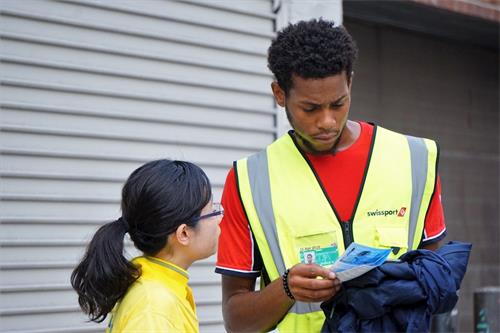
(289, 212)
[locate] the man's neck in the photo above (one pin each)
(350, 134)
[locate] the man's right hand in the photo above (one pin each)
(247, 310)
(312, 283)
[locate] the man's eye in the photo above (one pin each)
(310, 109)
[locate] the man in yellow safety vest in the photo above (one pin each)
(293, 208)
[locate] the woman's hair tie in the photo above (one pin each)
(124, 223)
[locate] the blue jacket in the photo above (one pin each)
(400, 296)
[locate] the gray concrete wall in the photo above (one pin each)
(448, 91)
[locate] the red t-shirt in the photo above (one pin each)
(238, 253)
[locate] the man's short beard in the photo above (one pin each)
(307, 144)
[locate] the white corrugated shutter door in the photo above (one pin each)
(89, 91)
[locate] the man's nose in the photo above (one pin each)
(326, 119)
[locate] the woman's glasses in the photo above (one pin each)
(217, 210)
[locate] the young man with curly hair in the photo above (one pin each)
(328, 182)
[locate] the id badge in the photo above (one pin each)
(321, 255)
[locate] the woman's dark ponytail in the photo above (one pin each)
(104, 274)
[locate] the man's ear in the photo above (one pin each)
(279, 94)
(349, 83)
(182, 234)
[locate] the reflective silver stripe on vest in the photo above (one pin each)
(418, 155)
(258, 175)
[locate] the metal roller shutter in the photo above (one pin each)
(89, 91)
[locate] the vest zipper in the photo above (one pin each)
(347, 225)
(347, 233)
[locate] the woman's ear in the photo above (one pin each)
(182, 234)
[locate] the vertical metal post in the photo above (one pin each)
(487, 310)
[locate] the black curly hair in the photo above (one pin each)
(311, 49)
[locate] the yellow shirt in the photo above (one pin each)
(159, 301)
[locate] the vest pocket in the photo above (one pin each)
(394, 238)
(316, 246)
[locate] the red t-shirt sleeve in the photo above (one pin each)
(435, 228)
(237, 254)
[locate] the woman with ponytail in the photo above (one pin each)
(168, 212)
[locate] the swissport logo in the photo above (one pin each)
(398, 212)
(402, 212)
